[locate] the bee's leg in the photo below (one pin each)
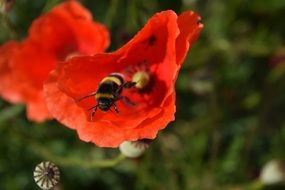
(115, 107)
(125, 85)
(87, 96)
(93, 112)
(129, 84)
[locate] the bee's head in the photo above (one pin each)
(104, 104)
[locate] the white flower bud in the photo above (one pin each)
(273, 172)
(201, 82)
(133, 149)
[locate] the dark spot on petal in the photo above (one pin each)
(152, 40)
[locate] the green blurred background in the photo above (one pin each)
(230, 116)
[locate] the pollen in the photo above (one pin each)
(141, 78)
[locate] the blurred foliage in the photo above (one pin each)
(230, 104)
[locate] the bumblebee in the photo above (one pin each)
(108, 92)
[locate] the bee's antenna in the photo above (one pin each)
(87, 96)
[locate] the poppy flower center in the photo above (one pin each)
(142, 79)
(142, 74)
(149, 88)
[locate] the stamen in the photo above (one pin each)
(142, 79)
(71, 55)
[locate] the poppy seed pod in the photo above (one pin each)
(46, 175)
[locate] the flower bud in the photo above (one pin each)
(201, 82)
(273, 172)
(46, 175)
(6, 5)
(133, 149)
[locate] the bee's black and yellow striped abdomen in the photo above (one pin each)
(109, 86)
(108, 92)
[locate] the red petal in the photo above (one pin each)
(190, 28)
(161, 46)
(94, 69)
(106, 135)
(7, 85)
(65, 108)
(37, 109)
(66, 29)
(80, 76)
(76, 31)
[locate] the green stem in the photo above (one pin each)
(111, 12)
(255, 185)
(132, 16)
(10, 112)
(76, 162)
(50, 4)
(9, 25)
(214, 127)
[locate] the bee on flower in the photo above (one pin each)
(108, 92)
(150, 63)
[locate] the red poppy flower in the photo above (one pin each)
(158, 51)
(66, 30)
